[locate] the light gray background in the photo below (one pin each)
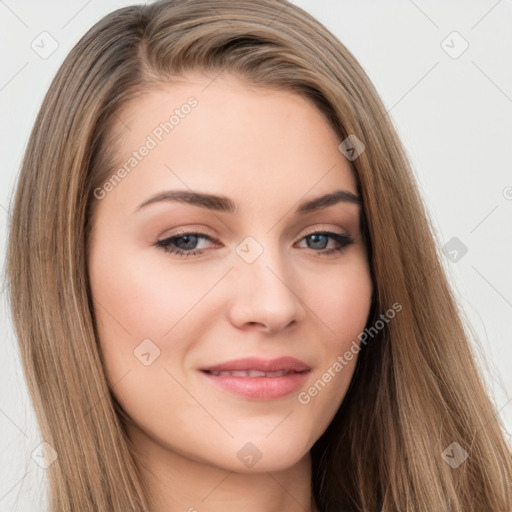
(454, 116)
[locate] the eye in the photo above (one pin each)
(184, 244)
(319, 239)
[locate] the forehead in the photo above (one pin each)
(225, 136)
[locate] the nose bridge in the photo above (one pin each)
(263, 261)
(263, 290)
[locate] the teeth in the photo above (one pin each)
(276, 374)
(255, 373)
(251, 373)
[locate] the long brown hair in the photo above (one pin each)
(416, 388)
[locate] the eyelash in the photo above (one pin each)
(342, 239)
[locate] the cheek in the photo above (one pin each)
(148, 312)
(343, 311)
(136, 305)
(135, 298)
(342, 301)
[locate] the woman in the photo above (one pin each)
(264, 369)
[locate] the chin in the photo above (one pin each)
(263, 455)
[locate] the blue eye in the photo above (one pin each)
(320, 239)
(183, 245)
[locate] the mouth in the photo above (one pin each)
(252, 373)
(259, 379)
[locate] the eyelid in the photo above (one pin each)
(324, 230)
(188, 231)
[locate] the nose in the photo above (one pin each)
(264, 294)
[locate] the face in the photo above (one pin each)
(184, 283)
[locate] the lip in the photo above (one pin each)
(263, 365)
(261, 387)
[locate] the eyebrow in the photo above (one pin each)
(225, 204)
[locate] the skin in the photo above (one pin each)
(267, 150)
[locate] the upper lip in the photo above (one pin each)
(263, 365)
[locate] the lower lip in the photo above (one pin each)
(260, 388)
